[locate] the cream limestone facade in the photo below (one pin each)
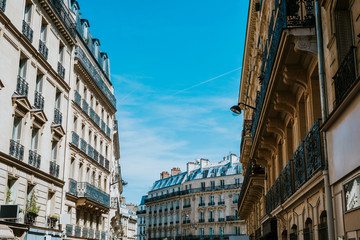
(59, 146)
(301, 113)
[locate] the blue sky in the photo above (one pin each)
(158, 49)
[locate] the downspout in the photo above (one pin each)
(328, 198)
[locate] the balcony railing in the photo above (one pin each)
(107, 163)
(90, 151)
(96, 155)
(77, 231)
(77, 98)
(61, 70)
(72, 186)
(65, 15)
(211, 204)
(202, 204)
(187, 206)
(307, 161)
(69, 230)
(85, 232)
(87, 190)
(39, 100)
(97, 235)
(108, 131)
(57, 116)
(221, 203)
(83, 145)
(22, 87)
(211, 220)
(16, 150)
(103, 126)
(101, 160)
(2, 5)
(75, 139)
(186, 221)
(232, 218)
(297, 13)
(34, 159)
(91, 233)
(97, 119)
(201, 220)
(346, 75)
(27, 31)
(103, 235)
(43, 50)
(79, 54)
(221, 219)
(85, 106)
(54, 169)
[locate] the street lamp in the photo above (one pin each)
(236, 109)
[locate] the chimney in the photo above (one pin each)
(233, 158)
(203, 163)
(190, 166)
(175, 171)
(164, 175)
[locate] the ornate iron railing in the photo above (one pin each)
(77, 98)
(2, 5)
(39, 100)
(277, 192)
(108, 131)
(61, 70)
(85, 232)
(57, 116)
(90, 151)
(232, 218)
(101, 159)
(287, 14)
(79, 54)
(72, 186)
(85, 106)
(16, 150)
(299, 166)
(313, 150)
(27, 31)
(287, 178)
(346, 75)
(87, 190)
(77, 231)
(103, 127)
(65, 15)
(34, 159)
(269, 200)
(96, 155)
(107, 163)
(91, 233)
(54, 169)
(69, 230)
(83, 145)
(97, 119)
(43, 50)
(22, 87)
(75, 139)
(92, 114)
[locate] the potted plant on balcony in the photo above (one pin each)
(52, 219)
(32, 209)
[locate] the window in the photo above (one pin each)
(16, 136)
(237, 181)
(43, 32)
(95, 141)
(211, 231)
(92, 101)
(222, 183)
(102, 114)
(201, 232)
(39, 83)
(58, 100)
(22, 68)
(35, 139)
(203, 186)
(61, 53)
(54, 151)
(77, 85)
(201, 216)
(28, 11)
(211, 200)
(101, 147)
(107, 120)
(201, 200)
(89, 137)
(212, 183)
(75, 123)
(236, 198)
(50, 204)
(82, 131)
(11, 191)
(236, 230)
(221, 231)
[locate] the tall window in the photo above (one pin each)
(50, 204)
(89, 137)
(39, 83)
(203, 185)
(212, 183)
(222, 183)
(85, 93)
(201, 232)
(43, 32)
(28, 11)
(75, 123)
(35, 139)
(54, 151)
(236, 230)
(58, 100)
(16, 136)
(211, 231)
(11, 191)
(92, 101)
(77, 85)
(343, 27)
(221, 231)
(221, 214)
(236, 198)
(22, 68)
(237, 181)
(201, 216)
(61, 53)
(211, 215)
(83, 131)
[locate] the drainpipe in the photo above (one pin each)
(328, 198)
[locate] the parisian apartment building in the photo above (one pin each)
(200, 203)
(59, 146)
(141, 218)
(129, 221)
(299, 94)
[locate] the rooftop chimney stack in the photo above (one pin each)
(233, 158)
(190, 166)
(164, 175)
(203, 163)
(175, 171)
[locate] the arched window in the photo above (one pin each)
(323, 235)
(308, 230)
(293, 232)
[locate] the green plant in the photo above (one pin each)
(55, 217)
(31, 206)
(8, 196)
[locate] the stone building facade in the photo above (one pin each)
(141, 217)
(299, 93)
(200, 203)
(59, 145)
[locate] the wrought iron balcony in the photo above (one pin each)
(77, 231)
(187, 206)
(75, 139)
(85, 106)
(186, 221)
(92, 114)
(108, 131)
(299, 166)
(81, 56)
(2, 5)
(72, 186)
(87, 190)
(85, 232)
(103, 235)
(61, 70)
(201, 220)
(69, 230)
(96, 156)
(39, 100)
(65, 15)
(346, 75)
(202, 204)
(27, 31)
(287, 14)
(57, 116)
(54, 169)
(211, 204)
(232, 218)
(287, 177)
(77, 98)
(16, 150)
(313, 150)
(269, 200)
(277, 192)
(83, 145)
(90, 151)
(221, 203)
(107, 163)
(43, 50)
(34, 159)
(221, 220)
(103, 126)
(22, 87)
(211, 220)
(97, 119)
(101, 160)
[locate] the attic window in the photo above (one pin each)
(205, 173)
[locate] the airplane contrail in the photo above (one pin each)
(206, 81)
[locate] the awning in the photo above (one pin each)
(6, 232)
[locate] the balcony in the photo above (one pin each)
(22, 87)
(211, 204)
(65, 15)
(307, 162)
(85, 232)
(77, 231)
(61, 70)
(101, 160)
(253, 185)
(107, 163)
(97, 119)
(34, 159)
(211, 220)
(221, 203)
(201, 204)
(346, 76)
(83, 145)
(90, 151)
(27, 31)
(186, 221)
(232, 218)
(103, 235)
(91, 192)
(97, 234)
(75, 139)
(77, 98)
(57, 117)
(235, 201)
(91, 233)
(187, 206)
(297, 14)
(39, 100)
(43, 50)
(85, 106)
(2, 5)
(221, 220)
(96, 156)
(108, 131)
(69, 230)
(103, 126)
(54, 169)
(72, 187)
(201, 220)
(16, 150)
